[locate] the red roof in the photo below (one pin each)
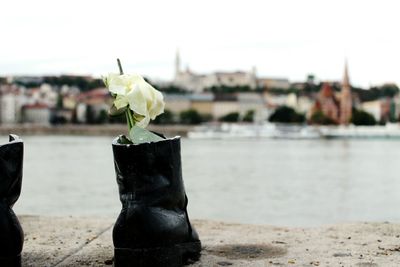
(36, 106)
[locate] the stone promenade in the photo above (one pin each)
(71, 241)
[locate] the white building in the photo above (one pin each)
(177, 103)
(45, 94)
(374, 108)
(252, 101)
(194, 82)
(12, 98)
(36, 113)
(274, 83)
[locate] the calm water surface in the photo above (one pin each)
(280, 182)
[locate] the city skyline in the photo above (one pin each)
(281, 39)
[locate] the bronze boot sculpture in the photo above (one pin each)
(153, 229)
(11, 234)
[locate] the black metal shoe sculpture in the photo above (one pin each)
(153, 229)
(11, 234)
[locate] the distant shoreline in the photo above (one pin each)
(95, 130)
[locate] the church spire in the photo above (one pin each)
(177, 63)
(346, 104)
(346, 79)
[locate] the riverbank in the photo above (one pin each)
(92, 130)
(69, 241)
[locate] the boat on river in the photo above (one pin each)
(287, 131)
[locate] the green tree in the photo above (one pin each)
(284, 114)
(249, 116)
(390, 90)
(60, 102)
(230, 117)
(361, 117)
(190, 116)
(166, 118)
(90, 116)
(228, 89)
(319, 117)
(102, 117)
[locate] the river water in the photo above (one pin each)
(260, 181)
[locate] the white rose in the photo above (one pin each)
(133, 91)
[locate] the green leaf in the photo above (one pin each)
(139, 135)
(116, 112)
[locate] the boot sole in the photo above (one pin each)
(11, 262)
(174, 256)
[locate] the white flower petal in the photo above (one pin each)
(121, 101)
(158, 105)
(144, 122)
(142, 98)
(137, 101)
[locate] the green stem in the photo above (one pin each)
(128, 121)
(129, 117)
(120, 66)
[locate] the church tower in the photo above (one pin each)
(346, 104)
(177, 64)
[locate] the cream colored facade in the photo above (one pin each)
(194, 82)
(373, 107)
(252, 101)
(12, 99)
(176, 103)
(222, 108)
(273, 83)
(203, 107)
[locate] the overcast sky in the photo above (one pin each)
(282, 38)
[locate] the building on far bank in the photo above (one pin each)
(36, 113)
(273, 83)
(374, 108)
(202, 103)
(95, 102)
(338, 108)
(224, 104)
(195, 82)
(254, 102)
(177, 103)
(12, 98)
(327, 103)
(346, 104)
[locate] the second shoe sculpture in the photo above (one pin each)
(153, 229)
(11, 234)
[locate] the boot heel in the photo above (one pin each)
(175, 256)
(11, 262)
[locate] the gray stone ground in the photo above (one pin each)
(69, 241)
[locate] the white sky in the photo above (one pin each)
(282, 38)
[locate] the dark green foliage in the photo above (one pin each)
(230, 117)
(190, 116)
(361, 117)
(83, 83)
(102, 117)
(118, 119)
(228, 89)
(90, 116)
(320, 118)
(249, 116)
(169, 89)
(166, 118)
(375, 93)
(172, 90)
(56, 120)
(286, 114)
(60, 102)
(280, 91)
